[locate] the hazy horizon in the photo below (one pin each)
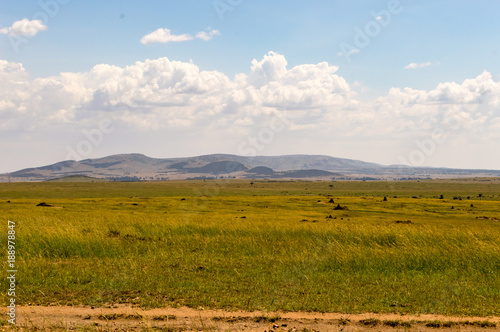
(388, 82)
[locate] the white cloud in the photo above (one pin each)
(415, 65)
(270, 68)
(303, 86)
(207, 35)
(480, 90)
(165, 91)
(349, 53)
(176, 101)
(24, 27)
(163, 35)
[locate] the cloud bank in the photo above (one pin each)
(206, 111)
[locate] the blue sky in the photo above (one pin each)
(423, 49)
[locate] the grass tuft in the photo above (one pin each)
(397, 323)
(266, 319)
(370, 321)
(164, 317)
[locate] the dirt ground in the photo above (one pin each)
(126, 318)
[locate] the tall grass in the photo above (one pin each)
(272, 251)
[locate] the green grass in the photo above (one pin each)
(187, 243)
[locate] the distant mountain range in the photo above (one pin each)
(138, 167)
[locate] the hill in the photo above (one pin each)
(138, 167)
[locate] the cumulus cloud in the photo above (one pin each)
(166, 92)
(303, 86)
(164, 96)
(207, 35)
(270, 68)
(481, 90)
(415, 65)
(163, 35)
(24, 27)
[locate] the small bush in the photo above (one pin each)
(165, 317)
(438, 324)
(110, 316)
(344, 321)
(370, 321)
(484, 323)
(396, 323)
(271, 319)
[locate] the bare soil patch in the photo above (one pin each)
(127, 317)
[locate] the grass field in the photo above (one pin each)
(261, 246)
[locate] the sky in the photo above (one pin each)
(391, 82)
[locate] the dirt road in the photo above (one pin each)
(126, 318)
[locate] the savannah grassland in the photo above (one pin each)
(262, 246)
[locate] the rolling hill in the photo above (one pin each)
(138, 167)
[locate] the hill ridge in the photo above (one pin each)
(137, 166)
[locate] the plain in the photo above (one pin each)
(261, 245)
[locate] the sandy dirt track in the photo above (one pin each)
(126, 317)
